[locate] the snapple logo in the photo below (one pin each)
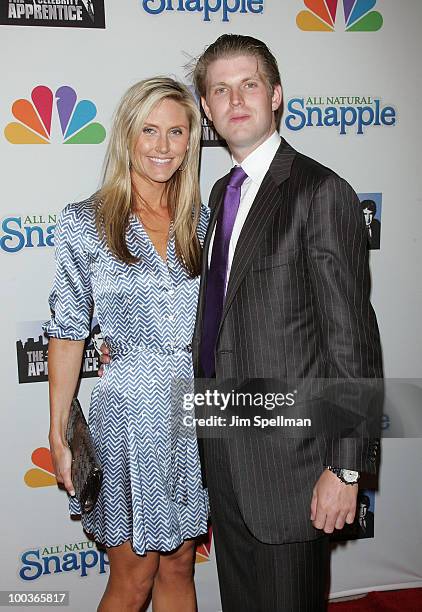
(207, 7)
(29, 231)
(344, 113)
(76, 557)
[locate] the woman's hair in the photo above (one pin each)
(115, 197)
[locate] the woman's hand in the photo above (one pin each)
(62, 463)
(104, 357)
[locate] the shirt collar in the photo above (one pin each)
(256, 164)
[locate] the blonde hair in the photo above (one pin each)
(182, 190)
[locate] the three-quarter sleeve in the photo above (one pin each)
(71, 296)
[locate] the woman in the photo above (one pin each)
(133, 251)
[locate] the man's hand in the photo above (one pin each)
(104, 357)
(333, 503)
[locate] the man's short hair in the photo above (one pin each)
(364, 500)
(370, 205)
(95, 331)
(229, 45)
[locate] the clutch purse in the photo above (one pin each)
(86, 471)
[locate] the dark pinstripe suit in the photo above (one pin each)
(297, 307)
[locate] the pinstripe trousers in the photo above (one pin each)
(254, 576)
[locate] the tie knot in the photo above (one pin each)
(237, 176)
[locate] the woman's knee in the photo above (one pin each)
(140, 585)
(133, 576)
(177, 566)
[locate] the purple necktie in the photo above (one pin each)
(217, 273)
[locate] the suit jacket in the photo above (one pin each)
(297, 308)
(375, 238)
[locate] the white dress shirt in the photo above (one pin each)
(256, 166)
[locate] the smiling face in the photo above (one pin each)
(239, 103)
(163, 142)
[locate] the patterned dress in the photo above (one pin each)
(152, 493)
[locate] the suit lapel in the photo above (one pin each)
(266, 202)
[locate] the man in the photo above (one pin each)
(284, 293)
(366, 518)
(373, 226)
(89, 7)
(97, 338)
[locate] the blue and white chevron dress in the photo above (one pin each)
(152, 493)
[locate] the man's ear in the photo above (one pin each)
(206, 108)
(277, 97)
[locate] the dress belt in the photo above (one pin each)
(120, 351)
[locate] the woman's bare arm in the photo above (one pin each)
(64, 364)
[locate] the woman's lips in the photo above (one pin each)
(160, 161)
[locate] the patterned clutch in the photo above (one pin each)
(86, 473)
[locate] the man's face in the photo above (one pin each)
(369, 215)
(239, 103)
(98, 340)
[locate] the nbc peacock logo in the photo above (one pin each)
(322, 16)
(203, 549)
(42, 475)
(36, 119)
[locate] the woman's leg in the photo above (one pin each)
(174, 588)
(130, 581)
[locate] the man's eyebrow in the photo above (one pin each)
(254, 76)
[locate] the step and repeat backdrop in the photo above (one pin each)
(352, 89)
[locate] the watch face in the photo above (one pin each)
(349, 475)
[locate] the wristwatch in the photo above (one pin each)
(346, 476)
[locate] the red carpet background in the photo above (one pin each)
(406, 600)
